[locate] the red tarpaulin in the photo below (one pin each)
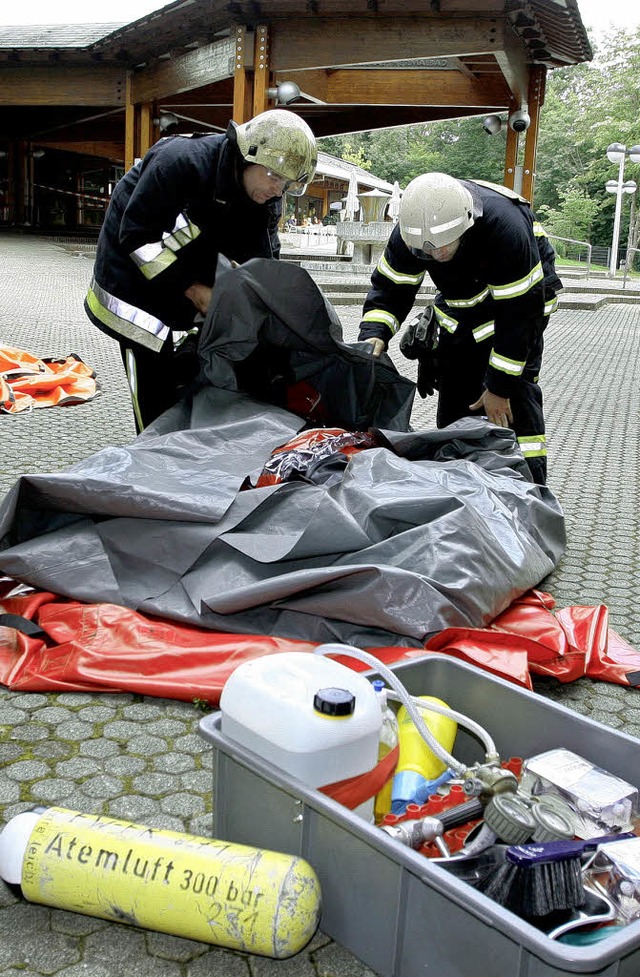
(107, 648)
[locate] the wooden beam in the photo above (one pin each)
(512, 59)
(57, 85)
(204, 65)
(511, 160)
(242, 88)
(130, 127)
(535, 102)
(261, 70)
(332, 42)
(362, 118)
(105, 149)
(409, 87)
(148, 132)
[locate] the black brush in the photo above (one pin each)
(539, 879)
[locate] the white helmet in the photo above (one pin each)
(283, 143)
(435, 211)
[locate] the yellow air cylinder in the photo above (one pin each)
(231, 895)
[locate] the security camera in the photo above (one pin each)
(492, 125)
(520, 120)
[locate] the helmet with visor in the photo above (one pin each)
(283, 143)
(435, 211)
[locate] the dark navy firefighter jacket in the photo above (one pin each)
(168, 219)
(500, 285)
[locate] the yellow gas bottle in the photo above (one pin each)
(417, 763)
(231, 895)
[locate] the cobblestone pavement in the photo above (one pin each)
(140, 758)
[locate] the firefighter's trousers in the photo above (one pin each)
(461, 370)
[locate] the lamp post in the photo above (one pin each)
(617, 153)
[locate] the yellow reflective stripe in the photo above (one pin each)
(445, 321)
(468, 303)
(126, 320)
(183, 233)
(152, 259)
(380, 315)
(551, 305)
(534, 446)
(512, 289)
(484, 331)
(505, 365)
(538, 229)
(398, 277)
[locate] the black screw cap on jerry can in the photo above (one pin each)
(334, 702)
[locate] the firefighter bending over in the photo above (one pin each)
(493, 268)
(190, 199)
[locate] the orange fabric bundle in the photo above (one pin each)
(26, 381)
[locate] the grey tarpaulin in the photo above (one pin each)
(430, 530)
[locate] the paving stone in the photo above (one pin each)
(147, 746)
(174, 947)
(143, 711)
(174, 762)
(124, 766)
(76, 730)
(52, 791)
(75, 924)
(29, 702)
(26, 770)
(335, 961)
(218, 963)
(120, 730)
(77, 768)
(156, 784)
(185, 804)
(99, 748)
(9, 791)
(103, 786)
(134, 808)
(54, 715)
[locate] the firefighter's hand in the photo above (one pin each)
(200, 295)
(497, 409)
(379, 346)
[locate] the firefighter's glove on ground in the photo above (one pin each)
(379, 346)
(497, 409)
(418, 342)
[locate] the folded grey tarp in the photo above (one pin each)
(432, 529)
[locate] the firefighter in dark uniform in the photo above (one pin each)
(493, 267)
(190, 199)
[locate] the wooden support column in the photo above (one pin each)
(243, 75)
(511, 158)
(130, 127)
(148, 132)
(537, 81)
(261, 70)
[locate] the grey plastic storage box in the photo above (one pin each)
(399, 913)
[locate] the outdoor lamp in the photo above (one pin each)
(168, 123)
(618, 153)
(285, 93)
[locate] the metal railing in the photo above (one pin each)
(570, 240)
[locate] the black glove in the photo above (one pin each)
(419, 342)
